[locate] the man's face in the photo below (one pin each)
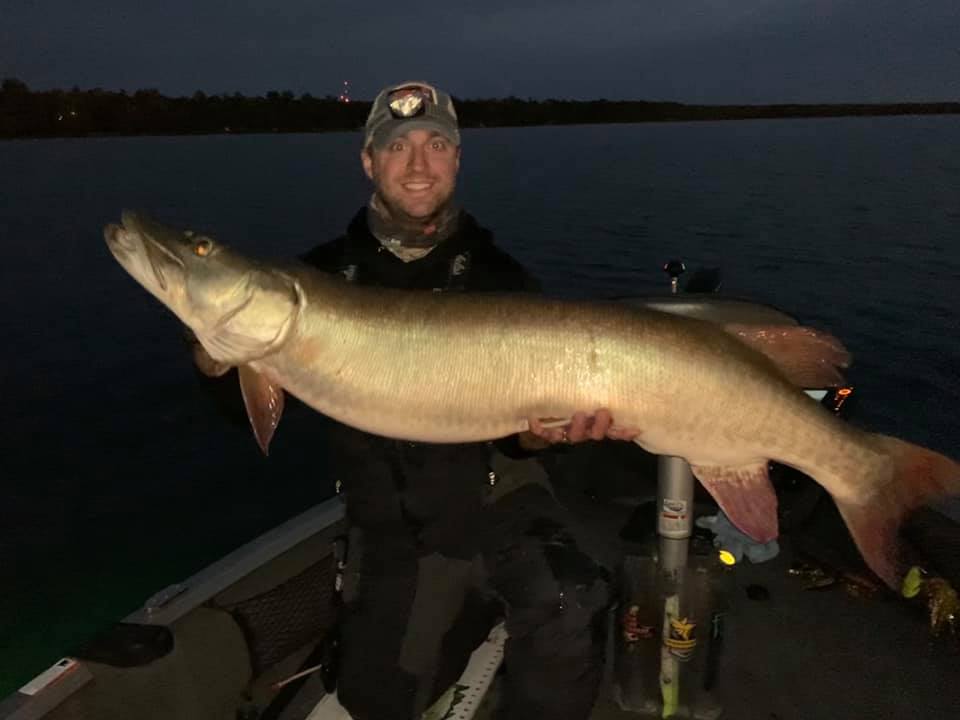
(415, 174)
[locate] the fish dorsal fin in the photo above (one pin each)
(264, 402)
(745, 495)
(808, 358)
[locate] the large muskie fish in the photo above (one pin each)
(453, 367)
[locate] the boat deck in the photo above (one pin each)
(789, 653)
(800, 654)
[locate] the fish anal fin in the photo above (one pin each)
(808, 358)
(745, 495)
(264, 402)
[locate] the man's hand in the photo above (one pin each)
(580, 428)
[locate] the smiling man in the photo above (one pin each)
(413, 165)
(439, 546)
(415, 175)
(436, 554)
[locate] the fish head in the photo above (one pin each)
(239, 310)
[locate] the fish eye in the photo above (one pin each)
(203, 247)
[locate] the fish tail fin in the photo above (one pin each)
(912, 477)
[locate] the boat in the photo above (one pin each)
(808, 634)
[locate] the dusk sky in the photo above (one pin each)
(709, 51)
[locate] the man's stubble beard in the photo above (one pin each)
(404, 219)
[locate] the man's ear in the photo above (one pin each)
(458, 158)
(366, 157)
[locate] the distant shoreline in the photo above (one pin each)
(99, 113)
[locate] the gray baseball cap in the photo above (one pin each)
(410, 106)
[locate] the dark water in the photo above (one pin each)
(119, 472)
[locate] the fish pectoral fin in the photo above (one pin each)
(808, 358)
(745, 495)
(264, 402)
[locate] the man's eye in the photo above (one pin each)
(439, 145)
(396, 147)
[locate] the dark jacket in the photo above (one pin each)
(468, 260)
(417, 496)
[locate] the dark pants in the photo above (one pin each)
(412, 616)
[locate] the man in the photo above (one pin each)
(435, 555)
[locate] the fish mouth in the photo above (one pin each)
(134, 247)
(161, 258)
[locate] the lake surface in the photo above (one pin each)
(120, 472)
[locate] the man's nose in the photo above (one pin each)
(417, 159)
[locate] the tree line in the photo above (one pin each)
(57, 113)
